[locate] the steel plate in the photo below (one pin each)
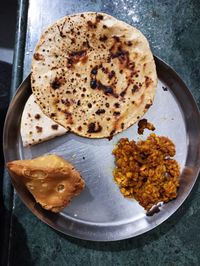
(100, 212)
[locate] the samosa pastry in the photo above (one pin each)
(51, 180)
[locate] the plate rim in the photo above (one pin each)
(40, 215)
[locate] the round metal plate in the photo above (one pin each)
(100, 212)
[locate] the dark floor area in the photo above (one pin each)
(8, 23)
(8, 13)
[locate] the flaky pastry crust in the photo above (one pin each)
(51, 180)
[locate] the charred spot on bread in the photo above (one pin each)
(117, 105)
(103, 38)
(148, 105)
(93, 84)
(38, 56)
(148, 81)
(135, 88)
(116, 38)
(66, 102)
(57, 83)
(75, 57)
(116, 113)
(54, 127)
(94, 127)
(91, 25)
(94, 70)
(37, 116)
(38, 129)
(99, 17)
(111, 74)
(100, 111)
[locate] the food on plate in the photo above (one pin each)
(36, 127)
(52, 180)
(142, 124)
(146, 171)
(93, 74)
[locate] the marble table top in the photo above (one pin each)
(173, 30)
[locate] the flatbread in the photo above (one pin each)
(36, 127)
(50, 179)
(93, 74)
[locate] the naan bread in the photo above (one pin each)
(93, 74)
(36, 127)
(50, 179)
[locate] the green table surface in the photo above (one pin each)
(173, 30)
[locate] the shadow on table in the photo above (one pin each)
(139, 241)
